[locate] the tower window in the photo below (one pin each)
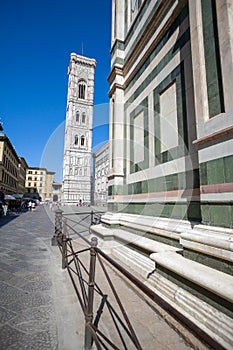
(77, 117)
(76, 140)
(83, 118)
(82, 90)
(82, 141)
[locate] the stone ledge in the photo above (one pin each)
(208, 278)
(155, 225)
(141, 242)
(210, 319)
(209, 240)
(218, 244)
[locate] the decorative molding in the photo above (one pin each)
(214, 136)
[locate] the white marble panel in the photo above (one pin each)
(219, 150)
(168, 118)
(139, 138)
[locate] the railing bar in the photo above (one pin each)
(133, 335)
(79, 273)
(86, 229)
(82, 282)
(81, 251)
(84, 213)
(76, 290)
(86, 240)
(162, 303)
(106, 339)
(94, 335)
(111, 311)
(87, 226)
(77, 222)
(76, 273)
(99, 291)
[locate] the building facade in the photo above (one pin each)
(170, 101)
(57, 191)
(170, 184)
(101, 170)
(78, 131)
(23, 166)
(39, 183)
(9, 166)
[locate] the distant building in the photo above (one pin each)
(78, 133)
(101, 169)
(56, 191)
(39, 183)
(23, 166)
(9, 166)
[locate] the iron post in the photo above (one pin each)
(90, 298)
(58, 227)
(64, 245)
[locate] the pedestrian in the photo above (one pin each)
(30, 206)
(5, 208)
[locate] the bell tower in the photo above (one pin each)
(78, 130)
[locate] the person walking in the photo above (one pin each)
(5, 208)
(30, 206)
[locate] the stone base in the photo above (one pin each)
(201, 293)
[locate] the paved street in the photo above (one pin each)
(37, 301)
(39, 309)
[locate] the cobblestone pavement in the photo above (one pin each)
(39, 309)
(35, 293)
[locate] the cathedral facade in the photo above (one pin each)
(170, 182)
(78, 131)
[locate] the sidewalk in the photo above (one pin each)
(39, 308)
(37, 301)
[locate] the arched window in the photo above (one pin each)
(84, 118)
(76, 140)
(82, 90)
(77, 117)
(82, 141)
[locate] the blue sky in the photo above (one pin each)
(36, 39)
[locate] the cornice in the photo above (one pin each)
(116, 70)
(142, 42)
(215, 135)
(147, 34)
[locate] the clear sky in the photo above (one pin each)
(36, 39)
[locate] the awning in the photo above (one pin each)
(9, 197)
(17, 195)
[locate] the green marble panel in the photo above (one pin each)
(215, 171)
(161, 65)
(203, 173)
(176, 75)
(143, 107)
(212, 58)
(217, 213)
(220, 215)
(228, 168)
(208, 260)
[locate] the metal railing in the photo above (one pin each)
(83, 280)
(85, 285)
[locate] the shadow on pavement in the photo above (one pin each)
(4, 220)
